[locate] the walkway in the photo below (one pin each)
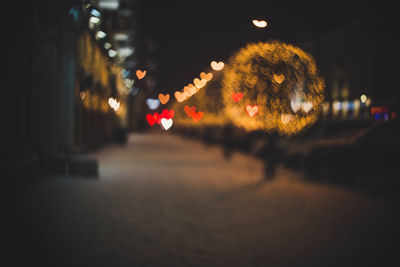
(167, 201)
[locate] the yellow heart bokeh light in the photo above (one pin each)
(306, 106)
(285, 118)
(187, 91)
(190, 90)
(217, 66)
(207, 76)
(279, 78)
(180, 96)
(199, 83)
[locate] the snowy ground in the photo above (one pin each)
(167, 201)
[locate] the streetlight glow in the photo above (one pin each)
(95, 13)
(101, 34)
(107, 45)
(363, 98)
(94, 20)
(112, 53)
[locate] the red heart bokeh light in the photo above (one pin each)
(151, 119)
(168, 114)
(196, 116)
(237, 96)
(189, 110)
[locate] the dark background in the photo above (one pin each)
(190, 34)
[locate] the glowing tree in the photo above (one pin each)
(272, 86)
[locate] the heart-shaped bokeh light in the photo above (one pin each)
(168, 114)
(285, 118)
(196, 116)
(306, 106)
(189, 110)
(237, 96)
(151, 119)
(163, 98)
(157, 117)
(295, 104)
(180, 96)
(207, 76)
(260, 23)
(199, 83)
(190, 90)
(140, 74)
(279, 78)
(251, 110)
(217, 66)
(152, 103)
(166, 123)
(114, 103)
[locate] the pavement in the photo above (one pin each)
(163, 200)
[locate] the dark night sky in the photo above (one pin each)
(190, 34)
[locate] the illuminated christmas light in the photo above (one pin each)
(112, 53)
(94, 20)
(95, 12)
(107, 45)
(363, 98)
(101, 34)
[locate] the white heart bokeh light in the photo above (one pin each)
(166, 123)
(152, 103)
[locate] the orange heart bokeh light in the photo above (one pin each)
(279, 78)
(163, 98)
(180, 96)
(190, 90)
(207, 76)
(140, 74)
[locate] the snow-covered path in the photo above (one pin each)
(167, 201)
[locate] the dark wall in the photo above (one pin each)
(17, 67)
(39, 81)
